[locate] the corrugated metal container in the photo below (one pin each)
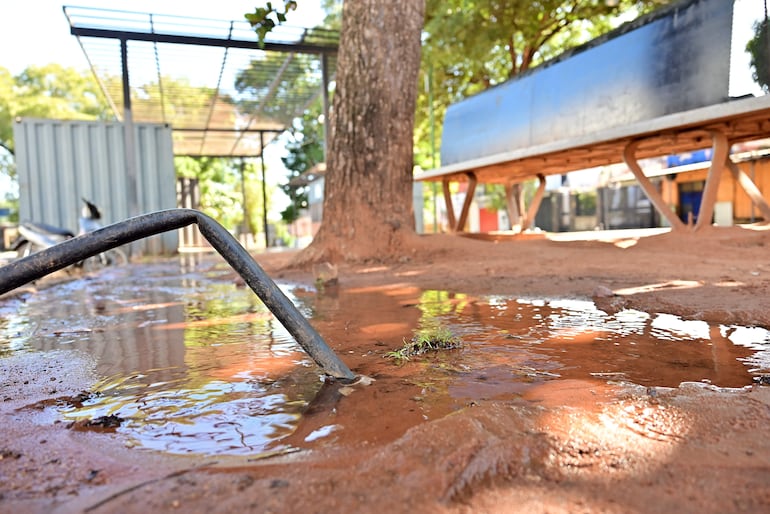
(674, 60)
(60, 162)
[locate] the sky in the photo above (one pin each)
(745, 13)
(38, 32)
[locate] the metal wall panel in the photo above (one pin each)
(60, 162)
(671, 61)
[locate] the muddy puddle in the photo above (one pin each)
(186, 362)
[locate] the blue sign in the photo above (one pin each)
(689, 158)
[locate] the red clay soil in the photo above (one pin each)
(568, 446)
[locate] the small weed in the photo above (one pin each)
(426, 340)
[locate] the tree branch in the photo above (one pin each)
(7, 148)
(514, 54)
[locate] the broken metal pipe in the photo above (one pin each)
(74, 250)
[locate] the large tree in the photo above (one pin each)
(368, 193)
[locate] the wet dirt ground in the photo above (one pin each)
(615, 374)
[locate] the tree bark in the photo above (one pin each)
(367, 209)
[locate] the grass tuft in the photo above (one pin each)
(426, 340)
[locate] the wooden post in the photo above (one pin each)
(513, 202)
(450, 210)
(751, 189)
(535, 205)
(468, 199)
(629, 156)
(718, 158)
(458, 225)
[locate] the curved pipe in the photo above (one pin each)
(74, 250)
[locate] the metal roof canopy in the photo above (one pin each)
(228, 123)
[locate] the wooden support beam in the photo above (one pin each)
(719, 157)
(467, 203)
(535, 205)
(514, 196)
(629, 156)
(450, 210)
(458, 225)
(515, 204)
(751, 189)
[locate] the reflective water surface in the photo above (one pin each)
(190, 363)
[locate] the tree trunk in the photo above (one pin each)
(367, 209)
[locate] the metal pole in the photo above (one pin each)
(264, 187)
(246, 230)
(128, 135)
(432, 119)
(325, 93)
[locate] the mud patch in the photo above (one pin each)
(535, 410)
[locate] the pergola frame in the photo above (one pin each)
(111, 24)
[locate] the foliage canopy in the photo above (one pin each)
(759, 50)
(50, 91)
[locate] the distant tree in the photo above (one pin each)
(759, 50)
(219, 182)
(6, 110)
(49, 91)
(253, 197)
(333, 9)
(278, 86)
(304, 150)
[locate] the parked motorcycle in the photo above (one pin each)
(34, 237)
(89, 221)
